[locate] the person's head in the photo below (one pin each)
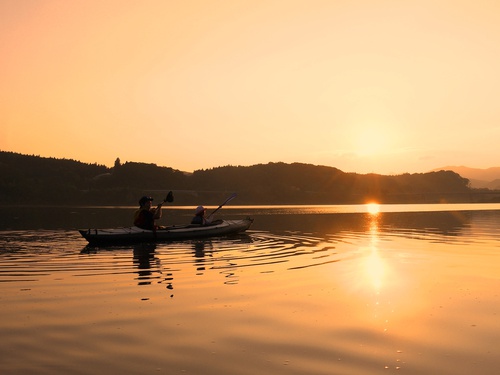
(145, 201)
(200, 211)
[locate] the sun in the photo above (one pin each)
(373, 208)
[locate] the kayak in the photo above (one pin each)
(171, 233)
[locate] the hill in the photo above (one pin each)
(29, 179)
(488, 178)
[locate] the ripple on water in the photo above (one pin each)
(30, 255)
(341, 301)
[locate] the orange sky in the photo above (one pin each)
(364, 86)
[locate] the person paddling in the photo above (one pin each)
(199, 216)
(146, 215)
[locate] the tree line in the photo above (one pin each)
(30, 179)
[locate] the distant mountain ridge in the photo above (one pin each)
(488, 178)
(29, 179)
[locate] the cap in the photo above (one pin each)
(200, 209)
(144, 199)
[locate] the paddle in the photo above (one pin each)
(218, 208)
(169, 198)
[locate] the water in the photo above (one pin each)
(308, 290)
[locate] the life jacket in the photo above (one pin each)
(144, 219)
(198, 220)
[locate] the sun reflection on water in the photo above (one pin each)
(374, 265)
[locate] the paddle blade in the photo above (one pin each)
(218, 208)
(229, 199)
(170, 197)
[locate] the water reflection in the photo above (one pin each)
(359, 293)
(149, 266)
(301, 241)
(146, 262)
(389, 223)
(199, 253)
(374, 263)
(294, 242)
(159, 261)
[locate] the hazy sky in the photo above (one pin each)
(365, 86)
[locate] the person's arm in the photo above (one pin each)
(157, 211)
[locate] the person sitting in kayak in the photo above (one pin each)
(199, 216)
(146, 215)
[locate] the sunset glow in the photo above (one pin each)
(384, 87)
(371, 142)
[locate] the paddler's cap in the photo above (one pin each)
(200, 209)
(144, 199)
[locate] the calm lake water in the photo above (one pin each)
(410, 289)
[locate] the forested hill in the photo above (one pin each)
(36, 180)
